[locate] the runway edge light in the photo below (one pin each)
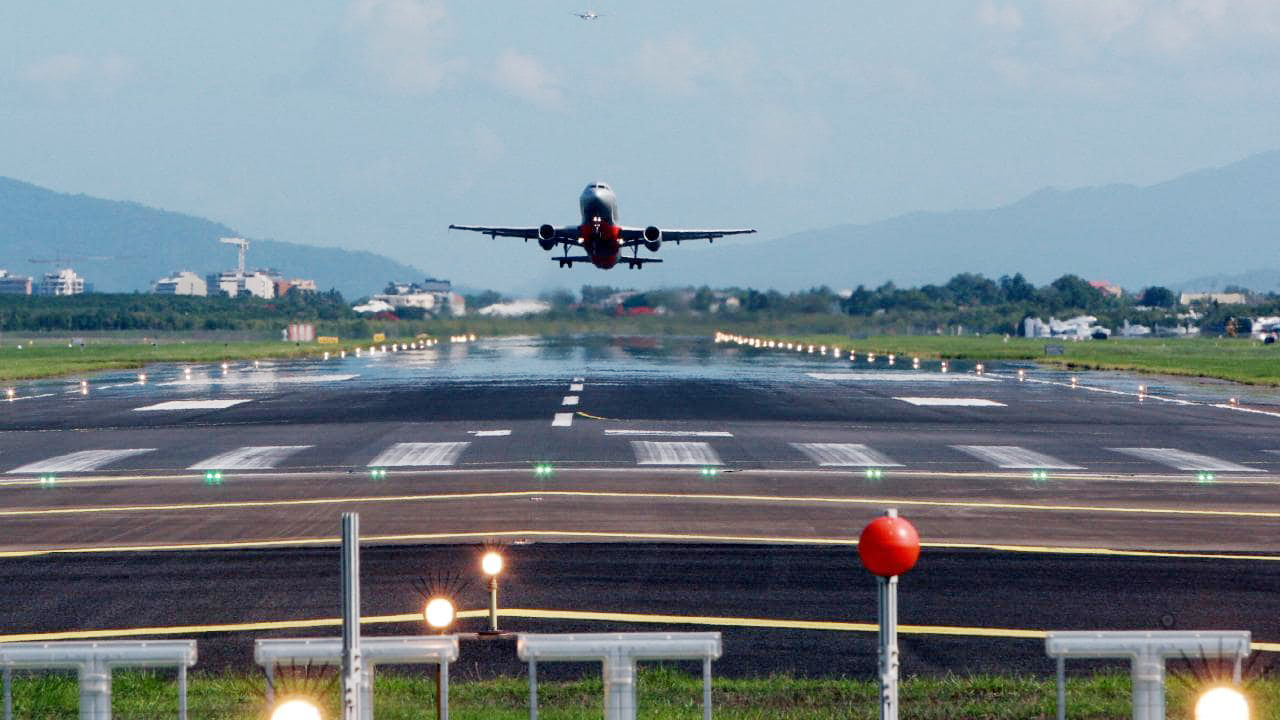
(1222, 703)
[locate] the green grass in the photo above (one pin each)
(664, 693)
(1238, 359)
(47, 358)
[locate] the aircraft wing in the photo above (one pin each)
(633, 236)
(528, 233)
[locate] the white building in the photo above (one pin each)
(233, 284)
(1080, 327)
(1187, 298)
(14, 284)
(432, 295)
(63, 282)
(184, 282)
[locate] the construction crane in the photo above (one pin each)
(243, 245)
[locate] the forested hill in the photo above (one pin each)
(150, 244)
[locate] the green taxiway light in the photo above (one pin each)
(48, 480)
(1204, 477)
(212, 477)
(874, 473)
(542, 470)
(709, 471)
(1040, 475)
(377, 473)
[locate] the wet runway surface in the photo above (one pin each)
(641, 440)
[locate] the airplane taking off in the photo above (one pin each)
(588, 15)
(599, 235)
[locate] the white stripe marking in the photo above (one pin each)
(578, 380)
(253, 457)
(261, 378)
(1012, 457)
(674, 453)
(562, 420)
(844, 455)
(82, 461)
(950, 402)
(900, 376)
(191, 405)
(569, 400)
(489, 433)
(576, 387)
(1183, 460)
(419, 454)
(672, 433)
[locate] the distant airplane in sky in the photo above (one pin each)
(599, 235)
(587, 15)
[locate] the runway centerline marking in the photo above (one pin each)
(414, 454)
(489, 433)
(669, 433)
(1183, 460)
(562, 420)
(191, 405)
(649, 452)
(81, 461)
(254, 457)
(845, 455)
(1012, 457)
(575, 387)
(950, 402)
(569, 400)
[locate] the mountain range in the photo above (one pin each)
(130, 246)
(1211, 227)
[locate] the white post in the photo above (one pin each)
(95, 690)
(888, 647)
(1147, 672)
(533, 690)
(351, 670)
(619, 687)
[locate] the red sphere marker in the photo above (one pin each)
(889, 546)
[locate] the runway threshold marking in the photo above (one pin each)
(569, 400)
(618, 495)
(420, 454)
(1012, 457)
(845, 455)
(562, 420)
(525, 535)
(253, 457)
(81, 461)
(1183, 460)
(191, 405)
(649, 452)
(540, 614)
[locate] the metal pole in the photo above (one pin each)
(444, 690)
(706, 688)
(182, 691)
(8, 694)
(1147, 672)
(95, 690)
(351, 709)
(619, 687)
(533, 690)
(888, 647)
(271, 685)
(1062, 687)
(493, 603)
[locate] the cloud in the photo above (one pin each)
(398, 43)
(678, 66)
(71, 74)
(1165, 26)
(523, 76)
(1006, 18)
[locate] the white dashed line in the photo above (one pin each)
(578, 380)
(419, 454)
(489, 433)
(191, 405)
(1012, 457)
(562, 420)
(674, 453)
(82, 461)
(1183, 460)
(576, 387)
(254, 457)
(569, 400)
(671, 433)
(950, 402)
(844, 455)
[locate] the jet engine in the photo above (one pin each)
(547, 237)
(652, 238)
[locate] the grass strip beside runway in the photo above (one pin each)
(665, 693)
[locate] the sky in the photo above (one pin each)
(374, 124)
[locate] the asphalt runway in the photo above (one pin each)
(1042, 504)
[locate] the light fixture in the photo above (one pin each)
(439, 613)
(491, 563)
(296, 709)
(1222, 703)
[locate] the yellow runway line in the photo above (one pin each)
(617, 495)
(618, 537)
(534, 614)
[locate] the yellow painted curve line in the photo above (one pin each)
(618, 536)
(617, 495)
(533, 614)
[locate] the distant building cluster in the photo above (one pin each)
(232, 283)
(433, 296)
(61, 282)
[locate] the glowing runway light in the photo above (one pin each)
(1075, 381)
(326, 355)
(187, 373)
(48, 480)
(491, 563)
(1205, 476)
(1039, 475)
(979, 368)
(542, 470)
(944, 366)
(256, 364)
(212, 477)
(871, 357)
(874, 473)
(84, 387)
(1234, 402)
(1222, 703)
(296, 709)
(473, 337)
(142, 378)
(915, 363)
(225, 367)
(707, 472)
(892, 358)
(439, 613)
(377, 473)
(1022, 375)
